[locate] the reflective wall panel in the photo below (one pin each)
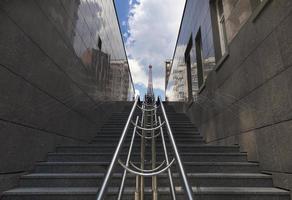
(202, 22)
(195, 36)
(59, 62)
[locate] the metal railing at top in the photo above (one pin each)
(150, 123)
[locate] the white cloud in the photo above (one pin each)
(137, 92)
(153, 29)
(139, 75)
(125, 34)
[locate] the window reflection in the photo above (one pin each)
(200, 32)
(221, 27)
(93, 30)
(179, 90)
(236, 13)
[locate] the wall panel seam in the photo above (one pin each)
(46, 93)
(250, 130)
(42, 130)
(252, 51)
(251, 91)
(50, 58)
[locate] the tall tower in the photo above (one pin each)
(149, 97)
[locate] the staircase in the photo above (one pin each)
(215, 172)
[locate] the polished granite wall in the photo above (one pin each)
(53, 76)
(248, 99)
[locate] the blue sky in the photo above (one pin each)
(150, 29)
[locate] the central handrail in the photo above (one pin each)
(177, 156)
(155, 170)
(148, 129)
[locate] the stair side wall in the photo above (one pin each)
(248, 100)
(47, 96)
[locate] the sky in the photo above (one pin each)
(150, 29)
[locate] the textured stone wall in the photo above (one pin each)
(248, 100)
(47, 96)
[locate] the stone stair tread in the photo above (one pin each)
(93, 175)
(241, 190)
(200, 190)
(110, 145)
(219, 163)
(185, 153)
(185, 163)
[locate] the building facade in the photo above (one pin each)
(237, 58)
(57, 70)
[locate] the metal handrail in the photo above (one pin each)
(147, 174)
(148, 129)
(103, 187)
(127, 162)
(148, 124)
(147, 170)
(187, 186)
(141, 173)
(172, 188)
(148, 137)
(144, 109)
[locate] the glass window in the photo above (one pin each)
(199, 56)
(221, 27)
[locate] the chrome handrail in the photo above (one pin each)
(127, 162)
(141, 172)
(147, 170)
(148, 129)
(148, 137)
(103, 187)
(149, 174)
(152, 109)
(172, 188)
(187, 186)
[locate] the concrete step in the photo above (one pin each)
(202, 193)
(195, 179)
(181, 147)
(175, 132)
(173, 117)
(177, 137)
(115, 140)
(202, 157)
(190, 167)
(177, 128)
(127, 142)
(129, 136)
(186, 148)
(174, 123)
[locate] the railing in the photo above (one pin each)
(150, 123)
